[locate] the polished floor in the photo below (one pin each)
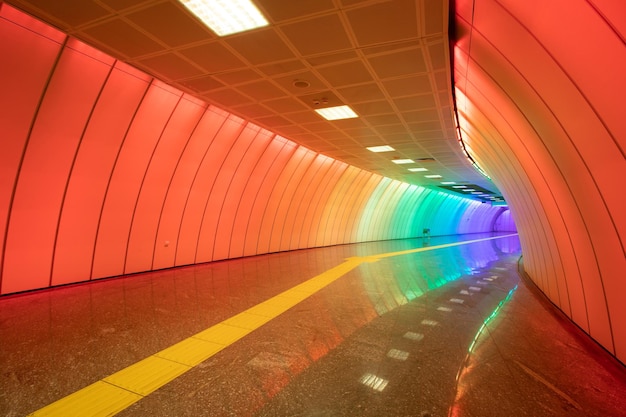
(425, 327)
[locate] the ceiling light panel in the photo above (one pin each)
(432, 176)
(418, 169)
(337, 113)
(402, 161)
(384, 148)
(226, 17)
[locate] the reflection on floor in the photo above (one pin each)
(451, 331)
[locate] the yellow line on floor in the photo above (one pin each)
(120, 390)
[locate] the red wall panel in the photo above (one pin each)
(111, 118)
(54, 139)
(126, 179)
(243, 214)
(228, 172)
(154, 186)
(28, 60)
(195, 208)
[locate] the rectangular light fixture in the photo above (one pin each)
(459, 186)
(384, 148)
(467, 190)
(402, 161)
(337, 113)
(418, 169)
(447, 182)
(226, 17)
(432, 176)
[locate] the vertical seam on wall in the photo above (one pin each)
(340, 169)
(195, 176)
(311, 210)
(300, 213)
(282, 194)
(270, 139)
(143, 179)
(217, 174)
(69, 175)
(24, 150)
(230, 183)
(289, 205)
(258, 191)
(106, 191)
(169, 186)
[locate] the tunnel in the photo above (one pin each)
(185, 233)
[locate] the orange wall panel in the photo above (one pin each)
(243, 215)
(181, 182)
(95, 159)
(236, 193)
(126, 179)
(196, 205)
(154, 185)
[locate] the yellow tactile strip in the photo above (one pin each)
(120, 390)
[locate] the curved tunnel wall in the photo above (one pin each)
(540, 88)
(106, 171)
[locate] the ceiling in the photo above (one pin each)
(387, 59)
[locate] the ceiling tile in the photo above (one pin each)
(363, 92)
(286, 105)
(227, 97)
(421, 115)
(260, 46)
(284, 67)
(70, 12)
(394, 21)
(374, 107)
(170, 66)
(415, 102)
(261, 90)
(438, 56)
(318, 35)
(436, 19)
(239, 76)
(254, 110)
(214, 57)
(383, 119)
(171, 24)
(407, 86)
(279, 10)
(346, 74)
(320, 60)
(315, 84)
(406, 62)
(122, 37)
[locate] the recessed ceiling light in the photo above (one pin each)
(418, 169)
(459, 186)
(467, 190)
(227, 17)
(475, 192)
(384, 148)
(337, 113)
(447, 182)
(432, 176)
(402, 161)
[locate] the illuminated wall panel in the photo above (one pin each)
(125, 181)
(147, 212)
(47, 162)
(234, 200)
(94, 162)
(249, 196)
(203, 182)
(33, 50)
(180, 185)
(546, 125)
